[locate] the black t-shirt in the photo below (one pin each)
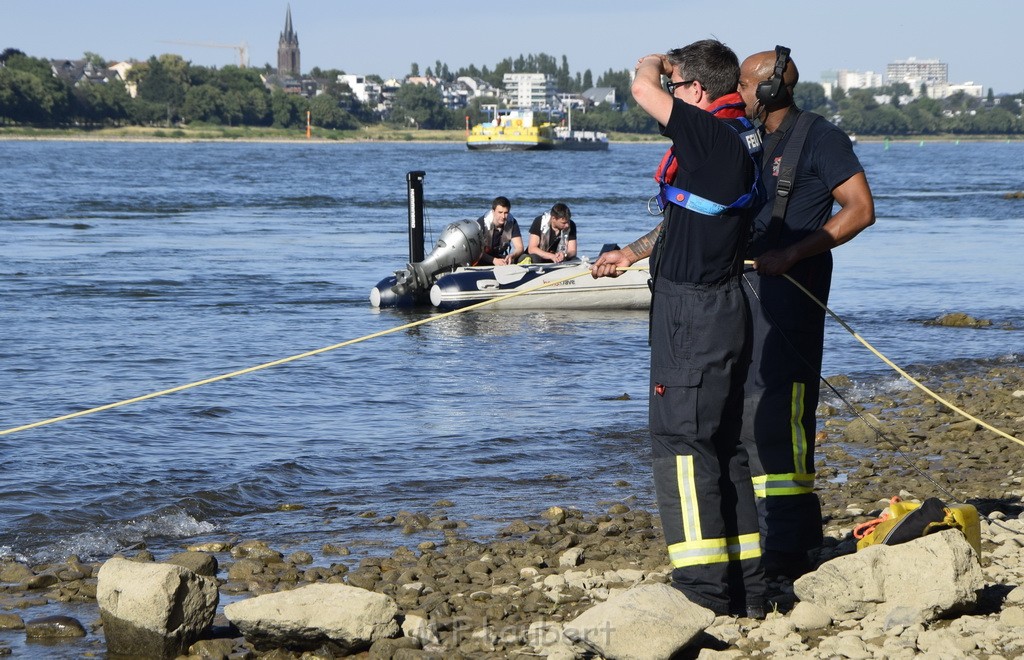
(552, 236)
(827, 160)
(713, 164)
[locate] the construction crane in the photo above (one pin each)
(242, 48)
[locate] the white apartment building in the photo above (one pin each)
(970, 88)
(915, 72)
(529, 90)
(477, 87)
(847, 80)
(365, 91)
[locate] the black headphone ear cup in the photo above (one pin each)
(766, 92)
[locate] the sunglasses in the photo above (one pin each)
(673, 86)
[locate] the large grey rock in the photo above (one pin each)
(932, 576)
(345, 618)
(153, 610)
(200, 563)
(647, 621)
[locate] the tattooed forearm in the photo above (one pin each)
(643, 246)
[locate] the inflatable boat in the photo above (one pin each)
(446, 279)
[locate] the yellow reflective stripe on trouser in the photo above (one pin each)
(715, 551)
(790, 483)
(687, 487)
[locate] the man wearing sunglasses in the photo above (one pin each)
(699, 338)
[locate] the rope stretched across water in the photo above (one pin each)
(437, 317)
(292, 358)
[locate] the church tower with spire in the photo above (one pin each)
(288, 49)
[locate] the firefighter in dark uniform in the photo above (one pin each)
(787, 326)
(699, 328)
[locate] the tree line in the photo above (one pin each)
(880, 111)
(171, 90)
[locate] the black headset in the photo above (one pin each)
(771, 91)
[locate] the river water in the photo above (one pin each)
(128, 268)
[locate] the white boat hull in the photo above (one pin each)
(520, 287)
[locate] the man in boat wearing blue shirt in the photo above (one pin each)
(500, 235)
(699, 338)
(553, 236)
(792, 238)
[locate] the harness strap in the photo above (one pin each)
(670, 194)
(787, 169)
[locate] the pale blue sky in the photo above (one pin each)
(978, 40)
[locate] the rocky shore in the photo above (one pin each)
(564, 583)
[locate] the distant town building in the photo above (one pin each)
(915, 72)
(426, 81)
(529, 90)
(363, 90)
(288, 49)
(76, 72)
(970, 88)
(600, 95)
(122, 69)
(847, 80)
(477, 87)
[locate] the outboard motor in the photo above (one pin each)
(460, 244)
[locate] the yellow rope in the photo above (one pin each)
(900, 371)
(462, 310)
(292, 358)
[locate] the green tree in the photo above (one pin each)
(810, 96)
(232, 110)
(233, 78)
(101, 103)
(420, 106)
(256, 107)
(7, 53)
(22, 98)
(924, 116)
(327, 113)
(901, 89)
(164, 82)
(996, 121)
(287, 110)
(886, 119)
(563, 80)
(620, 80)
(203, 103)
(94, 59)
(48, 94)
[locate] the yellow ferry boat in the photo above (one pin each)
(511, 130)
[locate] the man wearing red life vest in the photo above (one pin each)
(699, 338)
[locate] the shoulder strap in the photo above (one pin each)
(787, 172)
(669, 194)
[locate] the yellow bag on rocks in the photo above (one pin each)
(906, 521)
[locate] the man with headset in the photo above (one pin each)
(699, 327)
(807, 165)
